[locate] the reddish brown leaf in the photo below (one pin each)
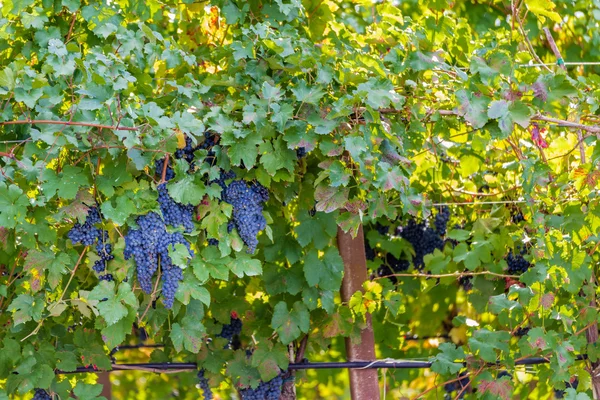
(547, 300)
(501, 388)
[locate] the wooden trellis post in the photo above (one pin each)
(364, 384)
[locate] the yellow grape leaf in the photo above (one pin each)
(180, 139)
(542, 9)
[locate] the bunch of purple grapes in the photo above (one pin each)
(203, 383)
(270, 390)
(423, 239)
(210, 140)
(149, 245)
(517, 264)
(459, 386)
(441, 220)
(159, 164)
(87, 233)
(247, 201)
(301, 152)
(232, 329)
(104, 251)
(41, 394)
(174, 213)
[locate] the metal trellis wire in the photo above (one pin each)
(375, 364)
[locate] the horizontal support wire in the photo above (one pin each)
(376, 364)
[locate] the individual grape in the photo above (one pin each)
(159, 164)
(270, 390)
(441, 220)
(247, 210)
(423, 239)
(175, 214)
(301, 152)
(232, 329)
(517, 264)
(41, 394)
(204, 385)
(106, 277)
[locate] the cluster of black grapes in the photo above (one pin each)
(420, 235)
(559, 394)
(423, 239)
(203, 383)
(223, 176)
(466, 282)
(87, 233)
(149, 245)
(517, 264)
(459, 386)
(441, 221)
(159, 165)
(517, 217)
(232, 330)
(382, 229)
(521, 331)
(210, 140)
(301, 152)
(270, 390)
(174, 213)
(247, 201)
(41, 394)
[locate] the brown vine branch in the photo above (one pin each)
(71, 27)
(528, 42)
(554, 48)
(70, 123)
(301, 349)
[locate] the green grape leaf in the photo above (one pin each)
(449, 360)
(13, 205)
(187, 336)
(290, 324)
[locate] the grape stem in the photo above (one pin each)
(152, 296)
(164, 170)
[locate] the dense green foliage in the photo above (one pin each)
(399, 108)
